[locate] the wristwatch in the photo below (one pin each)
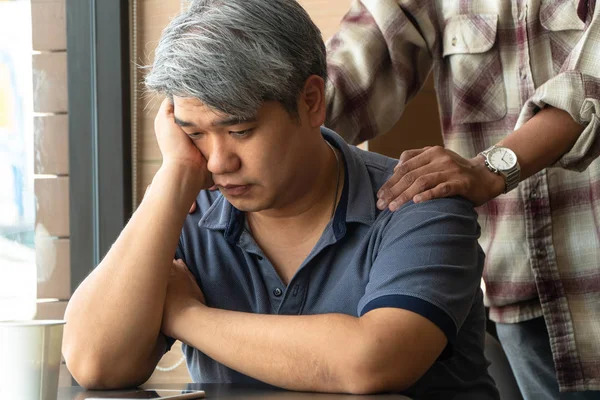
(503, 161)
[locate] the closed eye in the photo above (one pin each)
(196, 135)
(241, 134)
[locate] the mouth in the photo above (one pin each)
(234, 190)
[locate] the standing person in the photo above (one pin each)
(522, 76)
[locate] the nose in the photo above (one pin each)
(221, 157)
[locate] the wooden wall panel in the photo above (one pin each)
(153, 17)
(52, 198)
(48, 19)
(418, 127)
(51, 144)
(51, 156)
(326, 14)
(54, 268)
(148, 148)
(148, 170)
(50, 82)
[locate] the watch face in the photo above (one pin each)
(502, 158)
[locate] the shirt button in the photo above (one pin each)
(454, 41)
(277, 292)
(541, 252)
(523, 74)
(259, 258)
(534, 194)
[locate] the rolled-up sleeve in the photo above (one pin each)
(377, 61)
(576, 90)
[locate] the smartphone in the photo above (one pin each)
(166, 394)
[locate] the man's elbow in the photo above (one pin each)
(368, 375)
(90, 377)
(93, 373)
(373, 384)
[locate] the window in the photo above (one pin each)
(17, 199)
(65, 159)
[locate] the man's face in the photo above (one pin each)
(257, 164)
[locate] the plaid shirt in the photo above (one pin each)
(495, 63)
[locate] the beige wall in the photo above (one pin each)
(153, 16)
(51, 159)
(418, 127)
(51, 165)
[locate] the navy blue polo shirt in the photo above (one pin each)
(424, 258)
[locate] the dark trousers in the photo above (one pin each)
(527, 347)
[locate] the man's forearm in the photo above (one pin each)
(324, 353)
(543, 140)
(293, 352)
(114, 317)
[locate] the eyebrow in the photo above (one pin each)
(183, 123)
(226, 121)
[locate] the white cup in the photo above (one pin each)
(30, 353)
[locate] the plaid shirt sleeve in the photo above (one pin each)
(576, 90)
(376, 63)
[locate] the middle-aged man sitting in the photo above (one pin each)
(289, 274)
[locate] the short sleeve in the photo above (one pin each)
(428, 262)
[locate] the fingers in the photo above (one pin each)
(405, 174)
(445, 189)
(166, 106)
(431, 186)
(179, 268)
(408, 154)
(163, 111)
(165, 118)
(418, 181)
(179, 262)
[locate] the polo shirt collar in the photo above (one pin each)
(357, 203)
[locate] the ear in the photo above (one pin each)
(313, 100)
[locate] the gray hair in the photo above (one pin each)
(233, 55)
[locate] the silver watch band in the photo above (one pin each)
(512, 178)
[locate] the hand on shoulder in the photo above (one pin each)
(435, 172)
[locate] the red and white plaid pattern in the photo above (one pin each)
(497, 62)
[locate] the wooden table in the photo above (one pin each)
(232, 391)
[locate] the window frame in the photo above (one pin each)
(100, 157)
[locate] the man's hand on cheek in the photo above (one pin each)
(176, 147)
(182, 293)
